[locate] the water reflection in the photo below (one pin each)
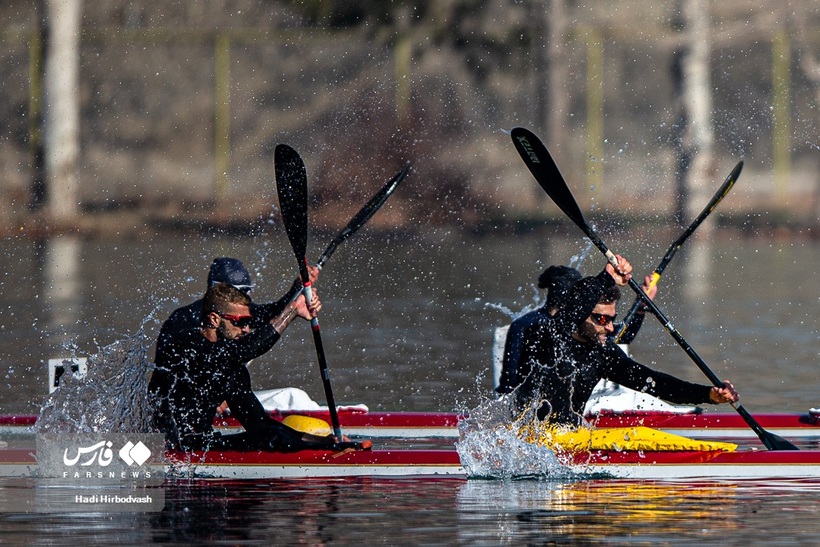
(62, 290)
(189, 505)
(444, 512)
(304, 511)
(571, 512)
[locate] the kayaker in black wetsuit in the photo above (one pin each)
(230, 271)
(558, 280)
(571, 352)
(204, 366)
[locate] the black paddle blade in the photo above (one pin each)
(711, 206)
(375, 203)
(291, 186)
(769, 440)
(676, 245)
(776, 442)
(546, 173)
(726, 186)
(365, 213)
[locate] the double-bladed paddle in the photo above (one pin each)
(670, 252)
(291, 186)
(546, 173)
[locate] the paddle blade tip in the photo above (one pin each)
(287, 160)
(283, 149)
(776, 442)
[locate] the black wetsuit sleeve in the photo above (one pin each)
(199, 375)
(242, 350)
(190, 354)
(634, 375)
(263, 313)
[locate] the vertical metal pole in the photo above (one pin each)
(781, 122)
(62, 126)
(36, 47)
(595, 107)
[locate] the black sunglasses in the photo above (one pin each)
(602, 318)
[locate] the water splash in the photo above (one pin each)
(489, 447)
(577, 260)
(538, 300)
(112, 397)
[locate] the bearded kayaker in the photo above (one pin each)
(558, 280)
(204, 366)
(571, 352)
(230, 271)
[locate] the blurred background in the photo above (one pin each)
(144, 115)
(137, 141)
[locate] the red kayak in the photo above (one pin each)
(701, 425)
(676, 465)
(431, 452)
(445, 424)
(715, 424)
(687, 465)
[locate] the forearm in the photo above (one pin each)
(263, 313)
(281, 321)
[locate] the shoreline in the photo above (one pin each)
(138, 224)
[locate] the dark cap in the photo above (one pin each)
(558, 280)
(230, 271)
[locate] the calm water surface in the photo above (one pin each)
(407, 324)
(440, 512)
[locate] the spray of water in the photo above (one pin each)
(537, 302)
(111, 398)
(577, 260)
(490, 446)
